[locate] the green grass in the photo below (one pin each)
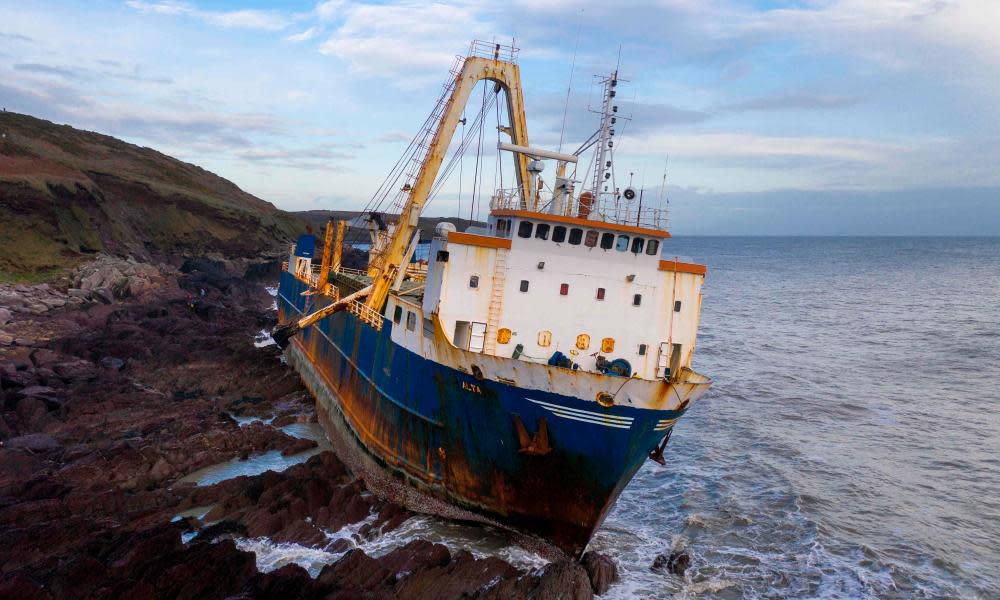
(40, 276)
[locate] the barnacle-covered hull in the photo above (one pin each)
(437, 438)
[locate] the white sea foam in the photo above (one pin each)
(263, 338)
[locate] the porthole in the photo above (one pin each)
(474, 281)
(524, 285)
(608, 345)
(544, 339)
(503, 335)
(677, 306)
(642, 349)
(636, 299)
(600, 293)
(583, 341)
(563, 289)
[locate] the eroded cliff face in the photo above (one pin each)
(66, 194)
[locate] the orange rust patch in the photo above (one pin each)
(682, 267)
(483, 241)
(527, 214)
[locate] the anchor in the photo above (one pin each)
(536, 445)
(657, 454)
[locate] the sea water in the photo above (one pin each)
(849, 448)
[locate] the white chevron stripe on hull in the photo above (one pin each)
(586, 416)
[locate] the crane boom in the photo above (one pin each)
(507, 76)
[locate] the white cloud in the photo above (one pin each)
(408, 41)
(329, 10)
(233, 19)
(304, 36)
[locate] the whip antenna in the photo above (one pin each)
(569, 86)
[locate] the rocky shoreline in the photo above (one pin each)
(126, 377)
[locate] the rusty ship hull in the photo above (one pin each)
(442, 440)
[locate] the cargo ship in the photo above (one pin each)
(523, 373)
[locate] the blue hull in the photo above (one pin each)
(408, 421)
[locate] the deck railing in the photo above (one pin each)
(611, 208)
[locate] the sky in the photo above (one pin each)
(833, 117)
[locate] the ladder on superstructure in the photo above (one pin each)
(496, 301)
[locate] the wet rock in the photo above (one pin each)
(220, 529)
(45, 358)
(78, 293)
(6, 339)
(75, 370)
(35, 442)
(463, 576)
(601, 570)
(103, 295)
(36, 308)
(355, 571)
(112, 363)
(300, 445)
(290, 581)
(5, 316)
(676, 563)
(22, 587)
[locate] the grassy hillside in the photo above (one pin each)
(67, 193)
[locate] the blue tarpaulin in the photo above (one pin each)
(305, 246)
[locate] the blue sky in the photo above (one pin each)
(797, 117)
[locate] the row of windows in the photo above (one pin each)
(574, 236)
(564, 291)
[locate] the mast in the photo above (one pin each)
(483, 63)
(604, 142)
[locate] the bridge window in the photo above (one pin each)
(558, 234)
(600, 293)
(637, 244)
(563, 289)
(524, 285)
(575, 235)
(411, 321)
(397, 315)
(542, 231)
(607, 241)
(591, 240)
(653, 247)
(503, 227)
(622, 244)
(524, 229)
(474, 281)
(637, 300)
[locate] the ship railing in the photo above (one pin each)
(349, 271)
(493, 51)
(365, 313)
(506, 199)
(610, 208)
